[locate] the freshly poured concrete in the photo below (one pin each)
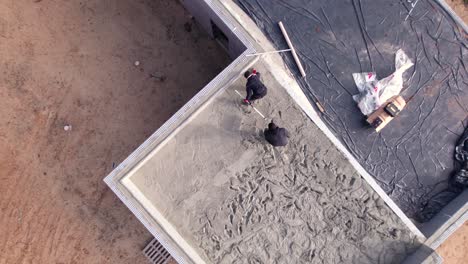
(220, 190)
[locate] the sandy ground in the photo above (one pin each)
(455, 249)
(236, 199)
(72, 62)
(460, 8)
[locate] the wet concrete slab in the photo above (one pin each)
(235, 199)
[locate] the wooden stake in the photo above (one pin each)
(252, 106)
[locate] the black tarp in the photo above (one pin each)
(412, 158)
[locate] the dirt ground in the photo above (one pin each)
(72, 62)
(460, 7)
(454, 250)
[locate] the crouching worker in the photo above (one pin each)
(255, 88)
(276, 136)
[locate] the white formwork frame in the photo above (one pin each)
(254, 42)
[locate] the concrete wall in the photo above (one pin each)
(204, 14)
(439, 228)
(424, 255)
(447, 221)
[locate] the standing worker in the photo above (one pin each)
(276, 136)
(255, 88)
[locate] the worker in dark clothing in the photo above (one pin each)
(255, 88)
(276, 136)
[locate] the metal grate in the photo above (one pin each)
(156, 253)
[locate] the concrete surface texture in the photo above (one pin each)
(72, 62)
(236, 199)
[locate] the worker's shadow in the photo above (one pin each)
(231, 118)
(226, 139)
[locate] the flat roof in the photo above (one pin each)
(219, 188)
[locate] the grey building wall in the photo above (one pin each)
(203, 14)
(447, 221)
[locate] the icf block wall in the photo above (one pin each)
(204, 14)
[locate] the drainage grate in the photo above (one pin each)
(156, 253)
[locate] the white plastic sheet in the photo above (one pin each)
(373, 92)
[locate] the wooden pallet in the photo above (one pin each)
(382, 115)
